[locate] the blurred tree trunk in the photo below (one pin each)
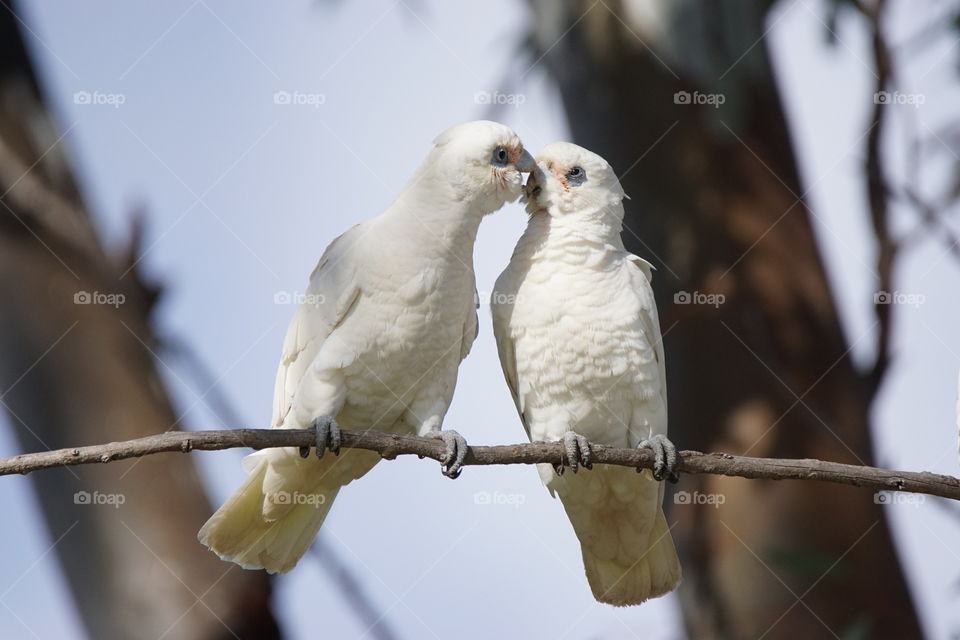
(76, 372)
(717, 207)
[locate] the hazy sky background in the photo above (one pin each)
(243, 194)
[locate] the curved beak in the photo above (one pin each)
(532, 188)
(525, 163)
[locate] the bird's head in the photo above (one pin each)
(570, 180)
(483, 162)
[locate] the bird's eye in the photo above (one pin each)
(576, 176)
(500, 157)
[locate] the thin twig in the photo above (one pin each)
(390, 446)
(931, 220)
(877, 192)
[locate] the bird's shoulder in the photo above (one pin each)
(644, 266)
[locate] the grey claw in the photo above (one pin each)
(456, 453)
(327, 437)
(578, 451)
(664, 457)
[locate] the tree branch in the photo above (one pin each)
(390, 446)
(877, 191)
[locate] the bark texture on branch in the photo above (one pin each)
(390, 446)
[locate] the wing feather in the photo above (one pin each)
(333, 291)
(471, 328)
(501, 309)
(641, 273)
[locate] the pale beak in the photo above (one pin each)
(525, 162)
(532, 188)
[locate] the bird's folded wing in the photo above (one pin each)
(333, 291)
(508, 355)
(471, 328)
(641, 275)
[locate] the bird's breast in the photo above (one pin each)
(582, 354)
(418, 328)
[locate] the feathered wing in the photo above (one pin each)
(471, 328)
(640, 281)
(270, 521)
(501, 309)
(333, 290)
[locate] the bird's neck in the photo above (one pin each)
(447, 223)
(600, 227)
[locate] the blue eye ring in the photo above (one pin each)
(500, 156)
(576, 176)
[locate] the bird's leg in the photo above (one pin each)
(327, 437)
(577, 450)
(664, 457)
(456, 452)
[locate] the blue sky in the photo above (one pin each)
(243, 194)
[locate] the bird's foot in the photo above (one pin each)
(664, 457)
(577, 451)
(327, 437)
(456, 452)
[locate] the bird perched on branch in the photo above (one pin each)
(389, 313)
(579, 341)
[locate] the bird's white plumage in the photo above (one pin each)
(579, 341)
(389, 313)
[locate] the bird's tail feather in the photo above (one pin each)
(628, 553)
(270, 521)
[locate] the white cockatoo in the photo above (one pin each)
(579, 340)
(389, 313)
